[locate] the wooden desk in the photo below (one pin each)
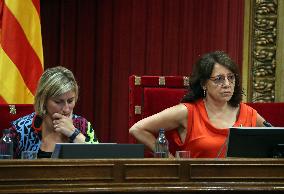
(142, 175)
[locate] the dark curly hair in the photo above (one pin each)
(202, 72)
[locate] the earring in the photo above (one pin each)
(204, 93)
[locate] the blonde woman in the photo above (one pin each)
(53, 120)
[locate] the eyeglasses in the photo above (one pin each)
(220, 79)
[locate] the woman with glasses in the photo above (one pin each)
(201, 122)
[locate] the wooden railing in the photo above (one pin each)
(142, 176)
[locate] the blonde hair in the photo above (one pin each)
(54, 82)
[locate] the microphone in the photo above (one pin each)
(267, 124)
(223, 146)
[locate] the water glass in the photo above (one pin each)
(29, 155)
(183, 154)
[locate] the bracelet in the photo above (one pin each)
(74, 135)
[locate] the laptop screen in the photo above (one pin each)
(256, 142)
(101, 150)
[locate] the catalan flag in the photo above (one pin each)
(21, 53)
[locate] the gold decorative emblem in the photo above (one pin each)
(12, 109)
(162, 81)
(137, 110)
(137, 81)
(185, 81)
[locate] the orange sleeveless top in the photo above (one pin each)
(203, 140)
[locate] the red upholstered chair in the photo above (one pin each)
(272, 112)
(10, 112)
(151, 94)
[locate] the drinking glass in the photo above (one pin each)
(29, 155)
(183, 154)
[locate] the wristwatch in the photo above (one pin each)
(74, 135)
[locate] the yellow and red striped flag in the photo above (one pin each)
(21, 53)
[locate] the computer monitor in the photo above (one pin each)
(256, 142)
(101, 150)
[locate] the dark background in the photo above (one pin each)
(105, 41)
